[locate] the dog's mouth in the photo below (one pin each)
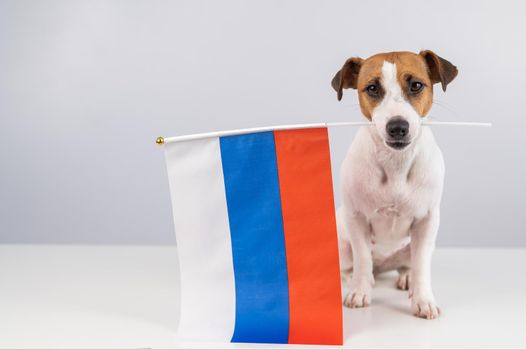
(398, 145)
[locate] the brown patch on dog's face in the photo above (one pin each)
(416, 74)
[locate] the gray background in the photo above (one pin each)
(86, 86)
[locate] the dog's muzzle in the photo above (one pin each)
(398, 132)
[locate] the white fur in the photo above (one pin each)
(390, 210)
(394, 104)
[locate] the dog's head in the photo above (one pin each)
(395, 90)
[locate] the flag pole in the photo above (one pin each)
(162, 140)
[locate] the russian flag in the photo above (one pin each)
(256, 235)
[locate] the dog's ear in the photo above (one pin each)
(347, 77)
(440, 70)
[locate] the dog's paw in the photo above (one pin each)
(356, 299)
(404, 280)
(360, 293)
(424, 307)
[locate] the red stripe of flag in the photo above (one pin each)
(311, 242)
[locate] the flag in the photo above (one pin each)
(256, 237)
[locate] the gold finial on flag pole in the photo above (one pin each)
(160, 141)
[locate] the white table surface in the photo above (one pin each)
(127, 297)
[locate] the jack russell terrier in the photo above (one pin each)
(392, 176)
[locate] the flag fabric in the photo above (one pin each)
(256, 236)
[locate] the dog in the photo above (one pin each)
(392, 177)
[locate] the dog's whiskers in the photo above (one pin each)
(446, 107)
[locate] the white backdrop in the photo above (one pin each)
(86, 86)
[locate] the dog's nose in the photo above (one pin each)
(397, 128)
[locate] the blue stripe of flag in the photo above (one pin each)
(258, 245)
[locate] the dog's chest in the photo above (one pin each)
(392, 209)
(399, 196)
(391, 202)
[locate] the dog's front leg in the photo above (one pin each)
(362, 278)
(423, 236)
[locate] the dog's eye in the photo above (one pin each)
(416, 87)
(372, 90)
